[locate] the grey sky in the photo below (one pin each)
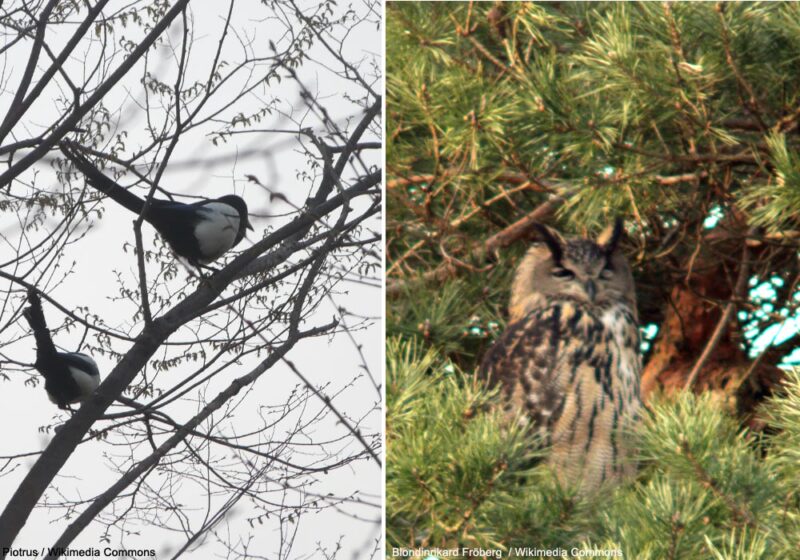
(99, 263)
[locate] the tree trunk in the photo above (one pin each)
(690, 318)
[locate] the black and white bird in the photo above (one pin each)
(69, 377)
(200, 232)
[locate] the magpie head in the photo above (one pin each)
(240, 205)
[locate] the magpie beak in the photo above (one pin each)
(69, 377)
(200, 232)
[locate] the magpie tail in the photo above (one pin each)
(98, 180)
(35, 317)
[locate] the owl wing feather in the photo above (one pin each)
(547, 362)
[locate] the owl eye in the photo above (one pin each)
(563, 273)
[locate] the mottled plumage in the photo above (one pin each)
(569, 358)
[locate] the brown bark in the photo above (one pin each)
(690, 319)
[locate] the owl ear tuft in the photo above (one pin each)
(552, 239)
(609, 237)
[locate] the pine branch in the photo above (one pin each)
(739, 512)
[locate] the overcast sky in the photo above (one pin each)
(99, 263)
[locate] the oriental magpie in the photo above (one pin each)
(69, 377)
(200, 232)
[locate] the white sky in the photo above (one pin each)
(99, 256)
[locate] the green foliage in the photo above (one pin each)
(454, 471)
(458, 474)
(774, 204)
(704, 483)
(573, 91)
(431, 322)
(658, 113)
(663, 114)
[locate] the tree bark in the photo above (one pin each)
(690, 319)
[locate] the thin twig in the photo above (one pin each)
(730, 307)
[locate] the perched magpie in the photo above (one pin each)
(200, 232)
(69, 377)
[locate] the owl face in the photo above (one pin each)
(592, 272)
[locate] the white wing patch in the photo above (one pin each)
(86, 383)
(91, 364)
(216, 233)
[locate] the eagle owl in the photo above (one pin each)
(569, 358)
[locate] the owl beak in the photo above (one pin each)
(591, 289)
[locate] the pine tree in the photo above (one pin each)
(457, 477)
(681, 118)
